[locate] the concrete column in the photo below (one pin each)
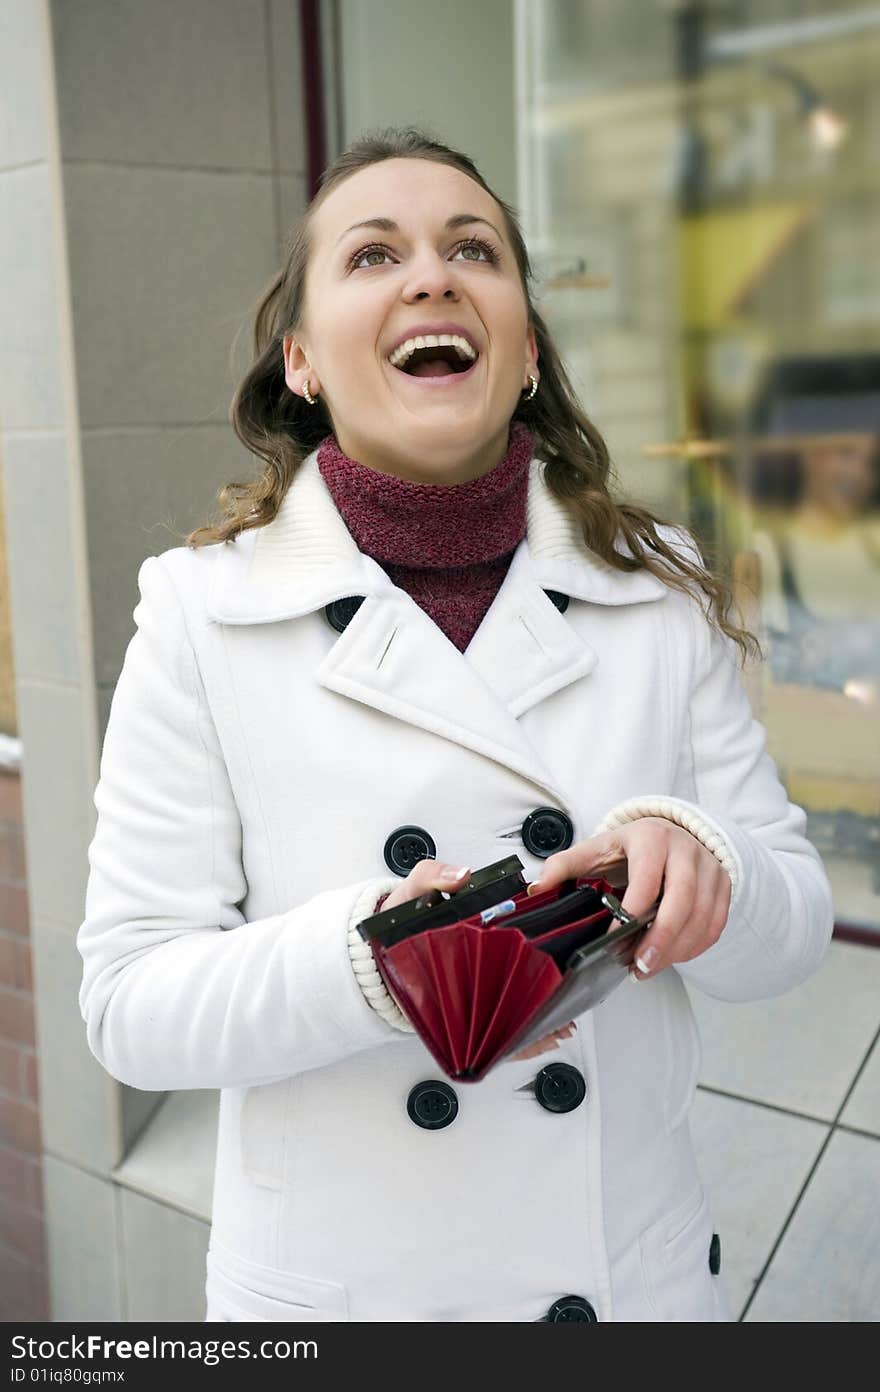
(449, 66)
(151, 158)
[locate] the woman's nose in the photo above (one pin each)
(431, 275)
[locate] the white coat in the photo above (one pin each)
(255, 763)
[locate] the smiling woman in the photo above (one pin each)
(331, 318)
(365, 302)
(426, 638)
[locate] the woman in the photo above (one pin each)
(426, 638)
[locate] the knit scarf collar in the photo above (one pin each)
(429, 525)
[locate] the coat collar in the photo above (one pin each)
(393, 656)
(307, 557)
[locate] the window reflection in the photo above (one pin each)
(711, 171)
(817, 530)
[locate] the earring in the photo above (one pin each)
(534, 382)
(307, 394)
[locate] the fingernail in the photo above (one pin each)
(646, 960)
(449, 874)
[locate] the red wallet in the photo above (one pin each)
(488, 970)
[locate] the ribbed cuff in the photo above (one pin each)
(684, 814)
(361, 954)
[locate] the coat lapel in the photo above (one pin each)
(393, 656)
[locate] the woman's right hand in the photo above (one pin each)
(549, 1041)
(425, 876)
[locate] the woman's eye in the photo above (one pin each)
(366, 251)
(476, 245)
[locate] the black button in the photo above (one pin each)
(558, 598)
(547, 830)
(560, 1088)
(715, 1254)
(406, 846)
(340, 612)
(432, 1104)
(572, 1307)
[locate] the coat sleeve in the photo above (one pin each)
(178, 991)
(781, 915)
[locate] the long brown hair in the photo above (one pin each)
(280, 428)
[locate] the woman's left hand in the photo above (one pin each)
(660, 855)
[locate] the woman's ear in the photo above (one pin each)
(531, 350)
(296, 365)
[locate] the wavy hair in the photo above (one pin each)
(280, 428)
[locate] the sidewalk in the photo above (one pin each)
(786, 1125)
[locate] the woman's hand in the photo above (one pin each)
(550, 1041)
(427, 875)
(660, 855)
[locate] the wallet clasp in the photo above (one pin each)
(614, 907)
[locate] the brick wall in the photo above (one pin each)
(23, 1291)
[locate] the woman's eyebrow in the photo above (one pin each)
(385, 224)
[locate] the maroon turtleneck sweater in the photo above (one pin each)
(447, 544)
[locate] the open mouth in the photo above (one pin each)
(438, 363)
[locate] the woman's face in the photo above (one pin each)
(369, 288)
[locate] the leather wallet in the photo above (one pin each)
(489, 969)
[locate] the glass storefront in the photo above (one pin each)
(700, 190)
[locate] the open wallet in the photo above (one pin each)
(489, 969)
